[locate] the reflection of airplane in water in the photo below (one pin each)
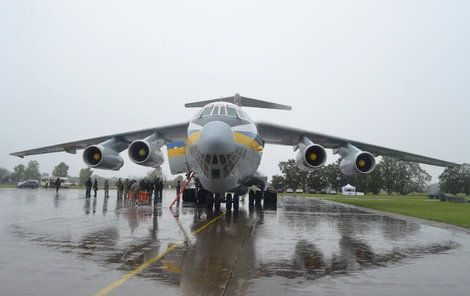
(222, 146)
(309, 262)
(225, 253)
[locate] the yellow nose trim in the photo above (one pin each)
(97, 156)
(313, 156)
(362, 163)
(142, 152)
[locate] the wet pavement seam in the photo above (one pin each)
(251, 225)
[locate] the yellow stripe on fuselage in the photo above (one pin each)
(240, 138)
(193, 138)
(247, 141)
(178, 151)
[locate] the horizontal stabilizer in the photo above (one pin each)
(242, 102)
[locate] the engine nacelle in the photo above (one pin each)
(102, 157)
(311, 156)
(356, 161)
(146, 153)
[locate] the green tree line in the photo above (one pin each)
(390, 175)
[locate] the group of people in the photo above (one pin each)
(154, 187)
(94, 184)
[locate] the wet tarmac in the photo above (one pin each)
(69, 245)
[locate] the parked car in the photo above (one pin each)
(299, 191)
(289, 190)
(332, 192)
(28, 184)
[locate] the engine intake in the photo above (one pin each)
(146, 153)
(101, 157)
(311, 156)
(356, 161)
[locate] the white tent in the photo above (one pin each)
(349, 190)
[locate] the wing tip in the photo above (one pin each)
(17, 154)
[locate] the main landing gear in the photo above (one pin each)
(269, 197)
(231, 200)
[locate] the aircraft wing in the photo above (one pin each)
(282, 135)
(168, 133)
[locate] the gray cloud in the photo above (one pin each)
(392, 73)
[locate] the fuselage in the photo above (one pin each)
(223, 147)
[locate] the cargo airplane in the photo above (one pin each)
(222, 146)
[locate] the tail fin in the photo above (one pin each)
(242, 102)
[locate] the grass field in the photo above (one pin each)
(7, 186)
(412, 205)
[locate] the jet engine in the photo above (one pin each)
(105, 156)
(146, 152)
(310, 156)
(355, 161)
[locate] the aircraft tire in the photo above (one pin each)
(236, 202)
(216, 202)
(228, 202)
(251, 197)
(201, 196)
(210, 201)
(270, 197)
(258, 197)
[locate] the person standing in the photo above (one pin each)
(88, 185)
(126, 187)
(57, 185)
(135, 191)
(120, 188)
(178, 187)
(95, 187)
(155, 189)
(160, 189)
(106, 188)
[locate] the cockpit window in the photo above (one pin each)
(207, 111)
(216, 111)
(222, 111)
(198, 114)
(232, 112)
(241, 114)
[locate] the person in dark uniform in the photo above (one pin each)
(160, 189)
(150, 187)
(126, 187)
(120, 188)
(95, 187)
(88, 185)
(155, 189)
(106, 188)
(57, 185)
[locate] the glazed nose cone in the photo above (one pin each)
(216, 138)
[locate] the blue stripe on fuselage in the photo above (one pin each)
(175, 144)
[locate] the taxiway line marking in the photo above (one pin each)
(108, 289)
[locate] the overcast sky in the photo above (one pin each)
(392, 73)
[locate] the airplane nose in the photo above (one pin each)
(216, 138)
